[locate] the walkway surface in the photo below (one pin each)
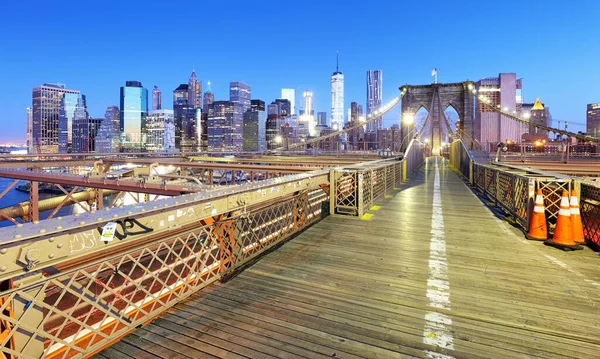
(433, 274)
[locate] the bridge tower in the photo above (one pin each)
(436, 98)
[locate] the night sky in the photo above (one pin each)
(96, 46)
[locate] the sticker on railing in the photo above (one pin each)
(108, 231)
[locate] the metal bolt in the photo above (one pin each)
(82, 222)
(3, 268)
(42, 230)
(60, 245)
(36, 222)
(51, 255)
(17, 236)
(51, 239)
(59, 227)
(3, 251)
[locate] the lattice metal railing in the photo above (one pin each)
(513, 188)
(357, 188)
(77, 312)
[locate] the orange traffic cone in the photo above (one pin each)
(576, 225)
(563, 232)
(537, 223)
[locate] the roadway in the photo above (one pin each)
(434, 273)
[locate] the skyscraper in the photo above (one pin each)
(374, 98)
(185, 118)
(158, 125)
(73, 107)
(194, 91)
(209, 98)
(156, 98)
(290, 95)
(225, 127)
(337, 98)
(321, 118)
(255, 121)
(285, 106)
(538, 115)
(134, 109)
(273, 125)
(46, 105)
(592, 120)
(85, 131)
(81, 135)
(239, 92)
(308, 116)
(108, 137)
(28, 125)
(504, 92)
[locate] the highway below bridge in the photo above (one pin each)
(338, 257)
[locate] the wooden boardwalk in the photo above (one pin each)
(419, 279)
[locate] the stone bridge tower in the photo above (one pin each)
(436, 98)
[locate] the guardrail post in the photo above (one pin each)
(471, 175)
(372, 189)
(385, 179)
(360, 203)
(332, 194)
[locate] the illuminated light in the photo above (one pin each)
(470, 86)
(443, 144)
(278, 139)
(543, 141)
(506, 109)
(426, 140)
(408, 118)
(508, 142)
(369, 115)
(497, 106)
(526, 115)
(335, 126)
(361, 118)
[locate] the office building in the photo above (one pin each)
(156, 98)
(194, 91)
(209, 98)
(592, 120)
(290, 95)
(225, 127)
(538, 114)
(85, 131)
(240, 93)
(185, 119)
(337, 98)
(28, 126)
(73, 107)
(108, 138)
(321, 118)
(255, 121)
(308, 114)
(374, 99)
(273, 125)
(133, 112)
(504, 92)
(46, 106)
(257, 105)
(156, 125)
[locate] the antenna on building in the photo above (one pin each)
(337, 61)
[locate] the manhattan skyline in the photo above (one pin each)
(553, 51)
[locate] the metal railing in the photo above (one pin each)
(512, 188)
(66, 292)
(64, 304)
(355, 189)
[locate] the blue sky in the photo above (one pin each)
(96, 46)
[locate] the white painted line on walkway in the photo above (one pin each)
(437, 325)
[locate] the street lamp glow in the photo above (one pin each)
(278, 139)
(361, 118)
(409, 118)
(506, 109)
(526, 115)
(426, 141)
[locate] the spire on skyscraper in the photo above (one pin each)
(337, 63)
(208, 89)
